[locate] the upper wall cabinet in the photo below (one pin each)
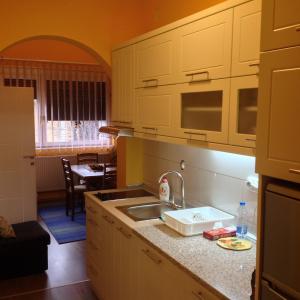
(122, 86)
(280, 24)
(246, 38)
(154, 106)
(202, 111)
(203, 48)
(155, 61)
(278, 144)
(243, 111)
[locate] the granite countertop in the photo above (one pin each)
(228, 272)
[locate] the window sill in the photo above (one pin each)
(71, 151)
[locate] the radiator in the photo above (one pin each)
(49, 173)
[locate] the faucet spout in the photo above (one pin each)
(182, 186)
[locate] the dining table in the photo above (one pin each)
(92, 177)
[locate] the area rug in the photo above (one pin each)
(61, 226)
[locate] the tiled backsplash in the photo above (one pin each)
(212, 178)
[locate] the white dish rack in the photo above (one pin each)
(193, 221)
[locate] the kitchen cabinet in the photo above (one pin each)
(243, 111)
(100, 250)
(278, 145)
(280, 24)
(246, 38)
(154, 106)
(203, 48)
(123, 86)
(154, 60)
(202, 111)
(125, 263)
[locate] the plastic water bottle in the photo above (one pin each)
(241, 226)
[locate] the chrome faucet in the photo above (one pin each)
(182, 188)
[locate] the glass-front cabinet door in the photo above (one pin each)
(243, 111)
(202, 111)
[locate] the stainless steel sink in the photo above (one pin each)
(140, 212)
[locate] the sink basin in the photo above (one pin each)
(141, 212)
(193, 221)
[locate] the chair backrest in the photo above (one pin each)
(87, 158)
(68, 174)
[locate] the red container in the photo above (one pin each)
(216, 234)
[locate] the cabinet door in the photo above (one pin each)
(125, 262)
(280, 24)
(246, 38)
(243, 111)
(154, 110)
(122, 86)
(278, 144)
(203, 48)
(155, 60)
(157, 278)
(202, 111)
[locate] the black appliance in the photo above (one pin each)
(113, 195)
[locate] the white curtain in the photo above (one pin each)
(71, 101)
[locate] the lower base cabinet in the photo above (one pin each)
(122, 266)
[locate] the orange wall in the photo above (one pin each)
(49, 49)
(160, 12)
(97, 24)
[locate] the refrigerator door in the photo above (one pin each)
(267, 293)
(281, 242)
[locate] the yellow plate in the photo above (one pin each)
(234, 243)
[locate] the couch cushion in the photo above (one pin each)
(6, 230)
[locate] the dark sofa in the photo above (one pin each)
(27, 253)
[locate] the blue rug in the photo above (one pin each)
(62, 227)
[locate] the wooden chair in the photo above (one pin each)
(87, 158)
(110, 176)
(72, 191)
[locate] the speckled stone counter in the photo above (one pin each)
(229, 272)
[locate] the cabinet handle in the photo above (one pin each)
(198, 295)
(150, 128)
(93, 245)
(195, 133)
(250, 140)
(254, 65)
(294, 171)
(92, 222)
(152, 256)
(28, 156)
(198, 73)
(146, 81)
(126, 234)
(90, 209)
(124, 122)
(108, 220)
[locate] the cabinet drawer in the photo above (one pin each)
(203, 48)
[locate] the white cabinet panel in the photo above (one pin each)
(202, 111)
(243, 111)
(203, 48)
(154, 110)
(123, 86)
(246, 38)
(278, 145)
(155, 60)
(280, 24)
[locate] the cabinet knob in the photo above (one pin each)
(294, 171)
(152, 256)
(198, 295)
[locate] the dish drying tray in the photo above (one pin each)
(193, 221)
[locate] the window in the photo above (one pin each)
(70, 101)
